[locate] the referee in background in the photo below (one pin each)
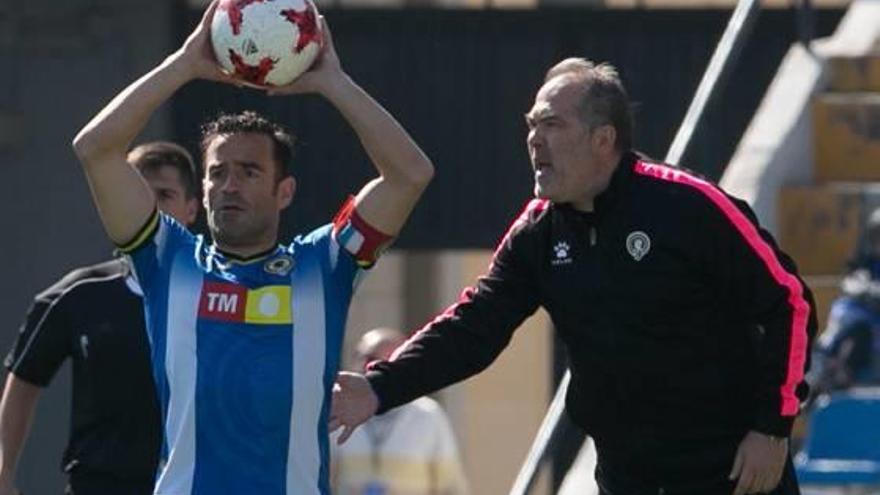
(95, 317)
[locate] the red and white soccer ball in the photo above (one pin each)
(266, 42)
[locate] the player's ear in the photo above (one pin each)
(285, 191)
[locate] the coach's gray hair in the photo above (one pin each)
(604, 100)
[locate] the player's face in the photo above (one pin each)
(560, 145)
(242, 197)
(171, 198)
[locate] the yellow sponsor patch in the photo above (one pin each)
(269, 305)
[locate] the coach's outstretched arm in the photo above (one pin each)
(124, 200)
(459, 343)
(404, 171)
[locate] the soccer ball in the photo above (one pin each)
(266, 42)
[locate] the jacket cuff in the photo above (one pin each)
(774, 425)
(379, 384)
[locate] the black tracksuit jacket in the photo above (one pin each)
(685, 325)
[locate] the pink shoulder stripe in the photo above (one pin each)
(797, 352)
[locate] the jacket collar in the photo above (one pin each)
(620, 178)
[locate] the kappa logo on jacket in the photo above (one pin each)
(562, 254)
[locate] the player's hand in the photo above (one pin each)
(196, 56)
(353, 403)
(323, 74)
(759, 463)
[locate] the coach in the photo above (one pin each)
(686, 328)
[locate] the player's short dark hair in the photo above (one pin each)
(156, 154)
(605, 101)
(250, 121)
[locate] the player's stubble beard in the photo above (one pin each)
(241, 230)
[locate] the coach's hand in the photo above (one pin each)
(323, 76)
(353, 403)
(759, 463)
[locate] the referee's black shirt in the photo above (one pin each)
(93, 317)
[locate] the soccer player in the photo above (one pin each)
(246, 332)
(95, 317)
(687, 329)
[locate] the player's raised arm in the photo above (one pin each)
(404, 170)
(124, 200)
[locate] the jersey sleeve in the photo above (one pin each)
(43, 341)
(152, 250)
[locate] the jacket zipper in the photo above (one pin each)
(593, 236)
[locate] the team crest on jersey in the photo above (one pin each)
(638, 244)
(280, 265)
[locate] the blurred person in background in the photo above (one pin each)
(410, 450)
(847, 353)
(95, 317)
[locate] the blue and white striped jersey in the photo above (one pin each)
(244, 356)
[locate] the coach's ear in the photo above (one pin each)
(284, 192)
(604, 138)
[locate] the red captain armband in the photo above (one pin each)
(355, 235)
